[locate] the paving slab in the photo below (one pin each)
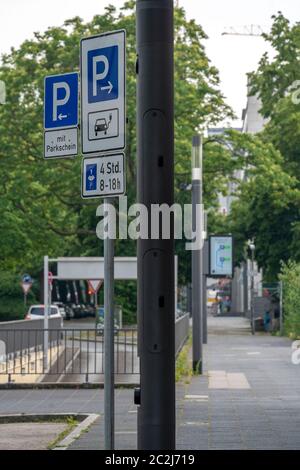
(29, 436)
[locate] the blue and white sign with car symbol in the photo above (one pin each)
(103, 117)
(61, 115)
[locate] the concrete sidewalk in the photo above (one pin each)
(247, 398)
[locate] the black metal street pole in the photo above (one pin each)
(155, 157)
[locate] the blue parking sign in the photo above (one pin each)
(91, 177)
(103, 74)
(61, 101)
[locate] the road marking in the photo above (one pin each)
(195, 423)
(126, 432)
(222, 380)
(196, 397)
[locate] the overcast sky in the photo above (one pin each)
(234, 56)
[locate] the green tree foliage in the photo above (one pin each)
(268, 205)
(41, 211)
(290, 277)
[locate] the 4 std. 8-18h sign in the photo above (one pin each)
(103, 176)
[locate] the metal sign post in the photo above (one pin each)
(197, 268)
(103, 119)
(109, 404)
(46, 311)
(155, 150)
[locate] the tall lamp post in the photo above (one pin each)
(252, 249)
(197, 267)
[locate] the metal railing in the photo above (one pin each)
(72, 352)
(181, 332)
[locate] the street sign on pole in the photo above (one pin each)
(94, 285)
(103, 176)
(61, 115)
(26, 285)
(103, 116)
(220, 256)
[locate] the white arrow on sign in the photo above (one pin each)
(109, 87)
(62, 116)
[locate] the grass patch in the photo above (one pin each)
(184, 370)
(71, 424)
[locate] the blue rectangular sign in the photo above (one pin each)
(102, 74)
(91, 177)
(61, 101)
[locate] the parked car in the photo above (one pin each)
(37, 312)
(77, 310)
(62, 309)
(69, 312)
(91, 310)
(65, 310)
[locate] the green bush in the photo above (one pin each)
(290, 277)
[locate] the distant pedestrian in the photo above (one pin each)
(267, 321)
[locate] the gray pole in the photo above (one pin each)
(46, 313)
(245, 287)
(204, 309)
(204, 274)
(281, 307)
(109, 399)
(156, 277)
(252, 293)
(197, 258)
